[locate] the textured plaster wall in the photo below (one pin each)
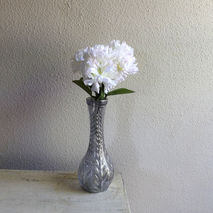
(160, 138)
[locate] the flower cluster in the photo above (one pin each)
(106, 65)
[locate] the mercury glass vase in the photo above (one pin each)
(96, 171)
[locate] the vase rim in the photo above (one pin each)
(91, 100)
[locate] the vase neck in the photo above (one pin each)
(96, 112)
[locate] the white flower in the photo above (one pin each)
(106, 65)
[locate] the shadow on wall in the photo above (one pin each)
(128, 160)
(31, 78)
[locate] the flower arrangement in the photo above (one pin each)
(103, 67)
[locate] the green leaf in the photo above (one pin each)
(120, 91)
(81, 84)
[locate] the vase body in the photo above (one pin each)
(96, 171)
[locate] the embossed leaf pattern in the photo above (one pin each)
(96, 167)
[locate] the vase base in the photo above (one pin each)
(93, 191)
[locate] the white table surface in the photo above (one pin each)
(56, 192)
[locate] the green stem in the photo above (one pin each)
(101, 95)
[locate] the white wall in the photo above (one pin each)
(160, 138)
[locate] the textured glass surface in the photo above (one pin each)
(96, 170)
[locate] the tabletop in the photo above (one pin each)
(57, 192)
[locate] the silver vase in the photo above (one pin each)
(96, 171)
